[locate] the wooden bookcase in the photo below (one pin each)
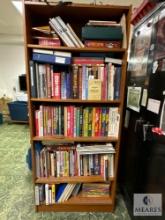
(77, 15)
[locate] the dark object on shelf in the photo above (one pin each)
(1, 118)
(29, 159)
(22, 82)
(18, 111)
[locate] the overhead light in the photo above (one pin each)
(18, 6)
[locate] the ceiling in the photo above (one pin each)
(11, 21)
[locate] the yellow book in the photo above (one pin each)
(53, 193)
(94, 89)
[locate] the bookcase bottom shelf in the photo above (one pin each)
(78, 204)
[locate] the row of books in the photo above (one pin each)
(49, 194)
(80, 81)
(77, 121)
(92, 34)
(75, 160)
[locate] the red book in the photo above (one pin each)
(97, 122)
(103, 44)
(56, 86)
(36, 122)
(87, 60)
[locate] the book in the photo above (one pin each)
(113, 60)
(94, 89)
(79, 42)
(95, 190)
(61, 32)
(44, 29)
(87, 60)
(51, 52)
(102, 43)
(33, 79)
(96, 33)
(51, 58)
(67, 31)
(123, 25)
(102, 23)
(48, 41)
(117, 81)
(60, 189)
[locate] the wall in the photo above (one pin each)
(12, 64)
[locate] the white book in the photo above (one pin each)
(69, 193)
(79, 42)
(62, 54)
(113, 60)
(111, 72)
(114, 121)
(53, 23)
(123, 25)
(67, 31)
(51, 52)
(46, 194)
(37, 199)
(62, 27)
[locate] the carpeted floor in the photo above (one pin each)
(16, 188)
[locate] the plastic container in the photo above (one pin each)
(18, 111)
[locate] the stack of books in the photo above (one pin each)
(102, 34)
(44, 35)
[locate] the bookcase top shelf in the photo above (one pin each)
(117, 102)
(72, 11)
(72, 179)
(73, 49)
(75, 139)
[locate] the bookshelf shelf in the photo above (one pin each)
(115, 102)
(73, 49)
(81, 204)
(87, 73)
(75, 139)
(73, 179)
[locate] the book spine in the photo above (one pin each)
(33, 79)
(117, 80)
(61, 32)
(56, 85)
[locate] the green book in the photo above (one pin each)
(102, 33)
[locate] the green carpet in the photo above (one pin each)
(16, 188)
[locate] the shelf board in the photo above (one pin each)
(75, 139)
(74, 49)
(72, 179)
(74, 101)
(79, 203)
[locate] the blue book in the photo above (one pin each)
(33, 87)
(51, 58)
(117, 80)
(68, 86)
(60, 190)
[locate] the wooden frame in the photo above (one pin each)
(38, 14)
